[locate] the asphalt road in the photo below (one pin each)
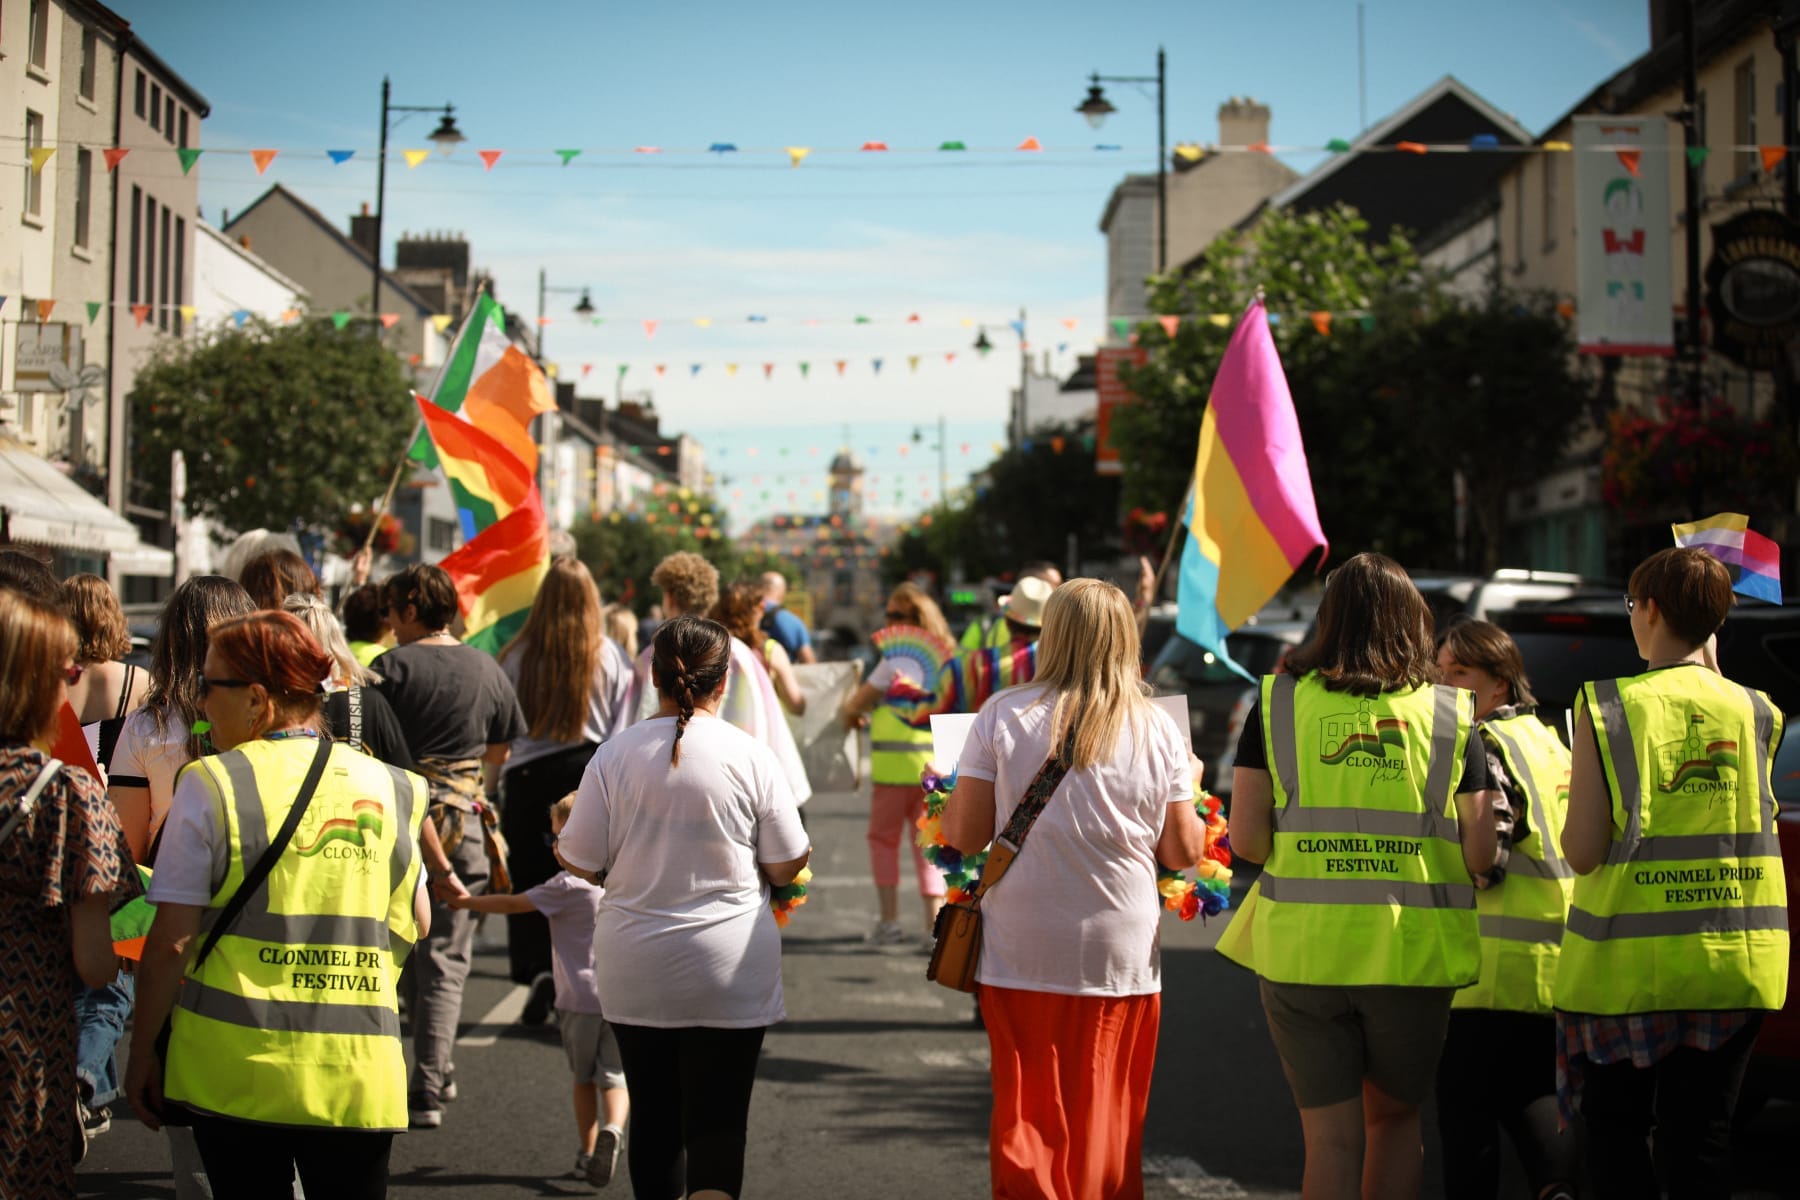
(876, 1086)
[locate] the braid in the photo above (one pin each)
(683, 693)
(689, 660)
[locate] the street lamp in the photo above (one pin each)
(918, 436)
(584, 308)
(1096, 108)
(982, 345)
(446, 137)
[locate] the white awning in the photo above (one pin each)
(43, 505)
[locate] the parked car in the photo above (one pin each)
(1218, 697)
(1775, 1065)
(1481, 596)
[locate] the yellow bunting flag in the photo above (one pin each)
(262, 159)
(440, 321)
(1222, 320)
(797, 154)
(39, 156)
(912, 361)
(731, 369)
(703, 322)
(187, 312)
(414, 157)
(1558, 147)
(1189, 152)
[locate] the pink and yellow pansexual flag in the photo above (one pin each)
(498, 571)
(1251, 519)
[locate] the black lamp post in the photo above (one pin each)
(583, 308)
(1096, 108)
(446, 137)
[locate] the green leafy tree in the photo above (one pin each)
(279, 425)
(621, 549)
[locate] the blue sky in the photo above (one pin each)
(673, 238)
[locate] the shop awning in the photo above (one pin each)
(43, 505)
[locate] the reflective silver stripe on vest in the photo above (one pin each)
(403, 836)
(1677, 924)
(1284, 742)
(1374, 822)
(288, 1016)
(1765, 733)
(1689, 846)
(1367, 891)
(1551, 864)
(1521, 929)
(1617, 731)
(919, 747)
(1444, 704)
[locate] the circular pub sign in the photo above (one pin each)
(1753, 288)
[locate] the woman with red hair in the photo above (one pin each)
(283, 1046)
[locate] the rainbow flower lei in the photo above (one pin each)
(1207, 895)
(784, 900)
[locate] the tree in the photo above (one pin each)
(622, 548)
(280, 426)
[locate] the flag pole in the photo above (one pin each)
(387, 497)
(1175, 528)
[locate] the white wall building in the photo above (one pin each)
(229, 279)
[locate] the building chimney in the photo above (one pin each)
(1243, 122)
(362, 232)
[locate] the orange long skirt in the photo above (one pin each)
(1071, 1085)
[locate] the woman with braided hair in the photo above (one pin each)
(687, 821)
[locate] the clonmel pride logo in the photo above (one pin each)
(1698, 763)
(1358, 739)
(342, 837)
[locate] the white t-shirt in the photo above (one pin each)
(144, 752)
(685, 935)
(1078, 910)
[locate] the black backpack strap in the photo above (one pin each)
(258, 873)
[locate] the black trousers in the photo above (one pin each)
(690, 1099)
(257, 1162)
(527, 792)
(1687, 1099)
(1498, 1073)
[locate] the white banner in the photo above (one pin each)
(831, 752)
(1623, 234)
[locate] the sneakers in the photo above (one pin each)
(448, 1092)
(95, 1121)
(582, 1159)
(886, 933)
(537, 1004)
(424, 1114)
(605, 1159)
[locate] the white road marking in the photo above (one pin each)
(898, 999)
(1189, 1179)
(486, 1031)
(955, 1060)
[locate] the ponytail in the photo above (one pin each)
(689, 659)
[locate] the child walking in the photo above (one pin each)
(571, 905)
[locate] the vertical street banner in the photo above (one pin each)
(1112, 392)
(1622, 225)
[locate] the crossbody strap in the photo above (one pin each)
(258, 873)
(1011, 840)
(29, 800)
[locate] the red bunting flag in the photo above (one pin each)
(389, 320)
(1415, 148)
(1771, 157)
(44, 309)
(1169, 324)
(874, 145)
(913, 320)
(490, 157)
(1258, 147)
(650, 328)
(1030, 143)
(949, 356)
(262, 159)
(840, 364)
(115, 155)
(585, 368)
(1322, 322)
(660, 368)
(1630, 160)
(768, 370)
(1070, 323)
(140, 313)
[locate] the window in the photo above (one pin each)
(90, 62)
(34, 180)
(84, 186)
(137, 242)
(156, 107)
(162, 273)
(38, 48)
(180, 268)
(1549, 199)
(440, 534)
(1744, 120)
(138, 107)
(169, 120)
(149, 250)
(183, 141)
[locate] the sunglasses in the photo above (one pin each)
(898, 616)
(72, 673)
(1630, 602)
(207, 685)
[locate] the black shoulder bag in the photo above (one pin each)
(176, 1114)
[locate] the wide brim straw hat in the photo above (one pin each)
(1025, 603)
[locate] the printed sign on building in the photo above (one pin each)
(1112, 393)
(41, 349)
(1622, 226)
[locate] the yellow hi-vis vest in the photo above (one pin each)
(293, 1019)
(1366, 884)
(1522, 917)
(898, 753)
(1689, 910)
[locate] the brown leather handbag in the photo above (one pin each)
(958, 928)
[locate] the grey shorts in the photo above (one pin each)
(591, 1048)
(1332, 1038)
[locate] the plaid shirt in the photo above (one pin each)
(1644, 1039)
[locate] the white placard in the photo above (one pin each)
(1176, 706)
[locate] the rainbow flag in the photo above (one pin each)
(1250, 514)
(490, 383)
(498, 571)
(1754, 560)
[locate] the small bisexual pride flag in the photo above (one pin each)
(1754, 560)
(1251, 518)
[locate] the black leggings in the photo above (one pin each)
(527, 793)
(1498, 1072)
(690, 1096)
(258, 1162)
(1687, 1098)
